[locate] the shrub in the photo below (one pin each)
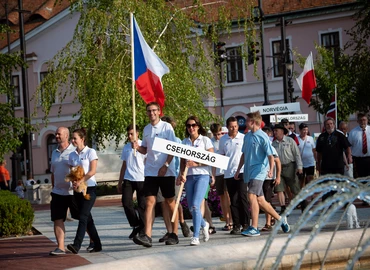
(16, 215)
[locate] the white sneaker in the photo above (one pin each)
(194, 241)
(206, 232)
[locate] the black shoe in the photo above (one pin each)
(143, 240)
(235, 230)
(96, 249)
(303, 205)
(73, 249)
(134, 232)
(172, 239)
(90, 247)
(185, 229)
(164, 238)
(282, 210)
(192, 228)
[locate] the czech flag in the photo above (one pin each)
(149, 69)
(307, 80)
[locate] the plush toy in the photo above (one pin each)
(76, 174)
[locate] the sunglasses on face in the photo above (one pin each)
(191, 125)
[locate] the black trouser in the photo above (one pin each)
(86, 221)
(3, 185)
(362, 166)
(128, 188)
(331, 171)
(238, 191)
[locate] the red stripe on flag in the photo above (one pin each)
(309, 83)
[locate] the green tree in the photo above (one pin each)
(95, 67)
(11, 127)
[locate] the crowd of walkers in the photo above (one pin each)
(262, 162)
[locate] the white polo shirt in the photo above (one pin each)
(216, 145)
(134, 164)
(60, 168)
(232, 148)
(83, 159)
(202, 142)
(155, 160)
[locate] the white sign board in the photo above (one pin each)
(277, 108)
(191, 153)
(290, 117)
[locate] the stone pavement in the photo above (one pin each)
(121, 252)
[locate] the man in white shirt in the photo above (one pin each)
(231, 146)
(131, 179)
(359, 138)
(159, 173)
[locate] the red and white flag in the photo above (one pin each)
(307, 80)
(149, 69)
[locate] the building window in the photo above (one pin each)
(276, 56)
(42, 77)
(51, 144)
(16, 91)
(331, 42)
(234, 65)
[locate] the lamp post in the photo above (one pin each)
(290, 68)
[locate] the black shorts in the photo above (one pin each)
(220, 185)
(309, 171)
(268, 187)
(165, 183)
(59, 205)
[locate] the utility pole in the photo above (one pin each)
(283, 58)
(26, 101)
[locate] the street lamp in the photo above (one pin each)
(290, 68)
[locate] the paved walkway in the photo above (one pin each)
(31, 252)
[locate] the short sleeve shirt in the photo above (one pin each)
(4, 172)
(155, 160)
(134, 164)
(256, 149)
(202, 142)
(305, 148)
(60, 168)
(231, 147)
(83, 159)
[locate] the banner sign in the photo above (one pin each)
(190, 153)
(290, 117)
(277, 108)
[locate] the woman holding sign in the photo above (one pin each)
(197, 178)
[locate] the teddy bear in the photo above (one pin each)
(76, 174)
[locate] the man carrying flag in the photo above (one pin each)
(307, 80)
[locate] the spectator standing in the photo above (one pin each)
(87, 158)
(290, 158)
(330, 146)
(159, 172)
(307, 150)
(4, 176)
(197, 177)
(359, 138)
(131, 179)
(231, 146)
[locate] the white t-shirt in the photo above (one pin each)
(202, 142)
(232, 148)
(155, 160)
(134, 164)
(83, 159)
(216, 145)
(305, 149)
(60, 168)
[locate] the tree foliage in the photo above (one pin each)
(95, 66)
(11, 127)
(349, 70)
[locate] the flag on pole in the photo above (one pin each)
(307, 80)
(149, 69)
(332, 109)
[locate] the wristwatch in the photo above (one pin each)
(167, 165)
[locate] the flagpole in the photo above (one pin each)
(336, 104)
(133, 76)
